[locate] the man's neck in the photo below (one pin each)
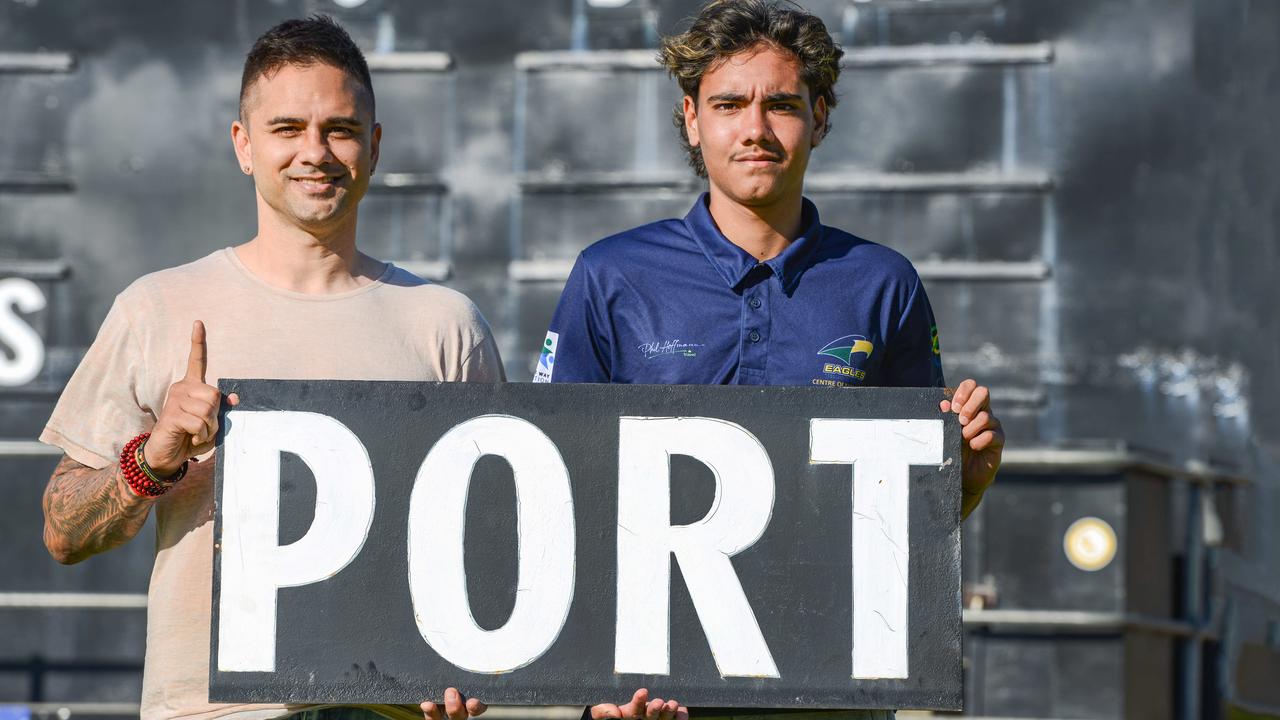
(762, 231)
(316, 263)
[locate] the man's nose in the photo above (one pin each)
(315, 147)
(756, 127)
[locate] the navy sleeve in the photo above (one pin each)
(915, 359)
(577, 346)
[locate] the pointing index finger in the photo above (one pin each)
(198, 360)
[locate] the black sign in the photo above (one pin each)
(566, 544)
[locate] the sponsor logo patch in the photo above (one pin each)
(846, 349)
(843, 349)
(661, 348)
(547, 361)
(834, 369)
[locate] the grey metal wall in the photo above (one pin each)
(1088, 188)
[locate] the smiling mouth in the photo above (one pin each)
(317, 184)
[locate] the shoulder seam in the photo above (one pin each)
(146, 361)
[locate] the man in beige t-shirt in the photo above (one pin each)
(297, 301)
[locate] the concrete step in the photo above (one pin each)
(588, 60)
(18, 181)
(434, 270)
(51, 270)
(928, 182)
(935, 54)
(906, 22)
(600, 181)
(409, 62)
(408, 183)
(39, 63)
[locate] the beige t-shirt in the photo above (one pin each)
(397, 328)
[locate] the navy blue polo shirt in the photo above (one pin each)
(675, 302)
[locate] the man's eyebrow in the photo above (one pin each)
(339, 120)
(738, 97)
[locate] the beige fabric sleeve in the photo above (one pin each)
(483, 363)
(100, 409)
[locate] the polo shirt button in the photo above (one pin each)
(754, 336)
(755, 303)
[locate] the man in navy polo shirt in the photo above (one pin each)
(750, 287)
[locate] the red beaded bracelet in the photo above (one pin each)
(141, 478)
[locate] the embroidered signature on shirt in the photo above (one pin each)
(659, 348)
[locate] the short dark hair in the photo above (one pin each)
(316, 39)
(727, 27)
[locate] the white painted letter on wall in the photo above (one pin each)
(881, 452)
(22, 340)
(254, 566)
(545, 536)
(738, 517)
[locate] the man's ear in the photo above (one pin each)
(691, 120)
(375, 143)
(240, 142)
(819, 121)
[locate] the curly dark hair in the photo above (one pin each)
(316, 39)
(728, 27)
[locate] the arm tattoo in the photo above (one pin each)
(89, 511)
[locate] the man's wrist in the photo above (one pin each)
(161, 469)
(144, 480)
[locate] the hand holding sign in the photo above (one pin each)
(641, 707)
(188, 422)
(455, 707)
(983, 439)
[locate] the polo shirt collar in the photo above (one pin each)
(734, 264)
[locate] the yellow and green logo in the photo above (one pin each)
(843, 349)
